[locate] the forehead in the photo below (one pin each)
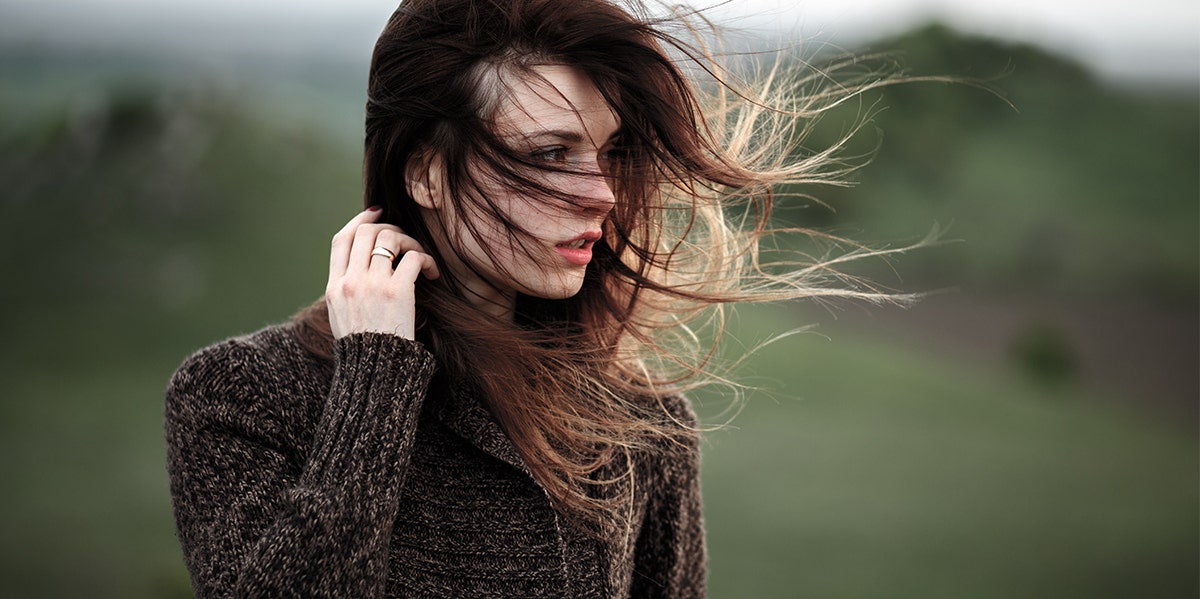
(555, 98)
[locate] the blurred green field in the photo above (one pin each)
(873, 470)
(147, 215)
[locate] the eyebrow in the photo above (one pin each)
(567, 135)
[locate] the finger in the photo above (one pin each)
(383, 257)
(429, 267)
(343, 241)
(385, 239)
(365, 241)
(414, 264)
(398, 243)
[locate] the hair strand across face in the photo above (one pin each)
(578, 382)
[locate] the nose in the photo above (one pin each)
(595, 190)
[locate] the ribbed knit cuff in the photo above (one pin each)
(370, 416)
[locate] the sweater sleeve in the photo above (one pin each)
(266, 508)
(670, 559)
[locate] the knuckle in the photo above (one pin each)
(333, 289)
(391, 293)
(364, 230)
(412, 263)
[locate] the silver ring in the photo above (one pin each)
(386, 253)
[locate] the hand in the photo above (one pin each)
(365, 292)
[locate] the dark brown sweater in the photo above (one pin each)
(297, 477)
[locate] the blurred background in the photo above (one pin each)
(170, 174)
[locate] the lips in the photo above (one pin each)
(578, 251)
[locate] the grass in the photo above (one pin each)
(86, 476)
(875, 471)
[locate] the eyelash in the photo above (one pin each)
(553, 154)
(560, 153)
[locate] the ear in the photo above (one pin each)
(425, 177)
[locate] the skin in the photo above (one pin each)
(557, 116)
(364, 292)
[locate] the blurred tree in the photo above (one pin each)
(117, 203)
(1075, 185)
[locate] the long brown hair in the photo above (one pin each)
(579, 383)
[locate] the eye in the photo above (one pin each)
(611, 157)
(550, 154)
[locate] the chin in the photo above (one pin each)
(563, 290)
(561, 294)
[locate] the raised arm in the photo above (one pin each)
(265, 503)
(281, 488)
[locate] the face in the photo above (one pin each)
(559, 118)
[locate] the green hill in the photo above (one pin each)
(1076, 186)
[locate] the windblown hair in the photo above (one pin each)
(578, 384)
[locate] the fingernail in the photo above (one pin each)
(376, 208)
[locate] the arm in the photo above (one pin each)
(670, 557)
(265, 507)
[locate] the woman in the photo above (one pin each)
(487, 402)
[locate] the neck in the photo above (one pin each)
(497, 304)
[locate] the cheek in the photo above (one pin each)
(489, 244)
(486, 243)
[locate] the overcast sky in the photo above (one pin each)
(1151, 39)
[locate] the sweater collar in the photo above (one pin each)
(463, 411)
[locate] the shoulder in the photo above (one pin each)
(672, 414)
(680, 409)
(272, 371)
(671, 464)
(679, 429)
(261, 373)
(272, 352)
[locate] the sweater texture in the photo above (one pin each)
(293, 476)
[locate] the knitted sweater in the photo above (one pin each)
(293, 476)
